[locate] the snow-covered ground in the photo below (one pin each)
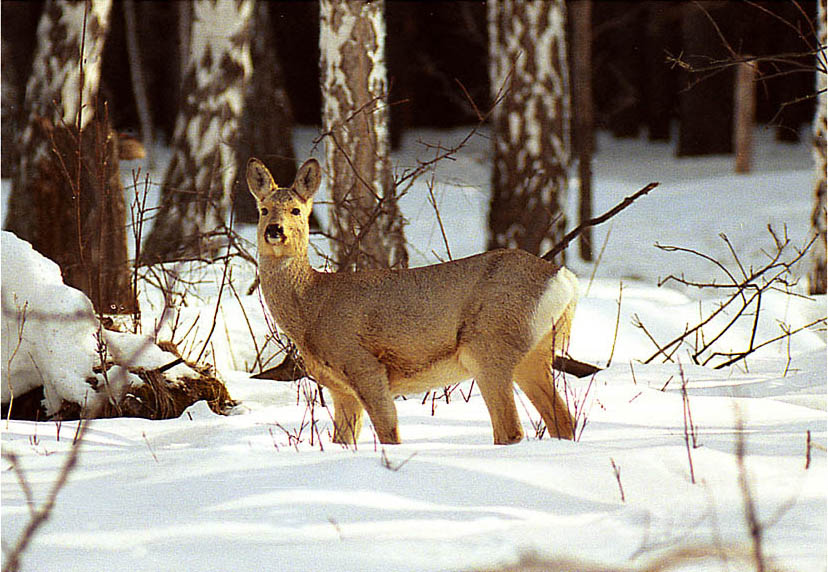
(265, 489)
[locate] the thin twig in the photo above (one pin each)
(617, 471)
(808, 449)
(688, 424)
(41, 514)
(742, 355)
(218, 299)
(433, 202)
(21, 325)
(599, 259)
(772, 276)
(575, 233)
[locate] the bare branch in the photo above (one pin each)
(575, 233)
(772, 276)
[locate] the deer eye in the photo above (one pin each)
(264, 211)
(295, 211)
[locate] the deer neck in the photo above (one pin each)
(286, 283)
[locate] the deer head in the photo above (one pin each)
(283, 212)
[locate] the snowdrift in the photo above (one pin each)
(53, 342)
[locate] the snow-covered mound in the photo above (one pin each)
(52, 337)
(50, 332)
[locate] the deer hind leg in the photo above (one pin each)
(499, 396)
(347, 418)
(534, 377)
(560, 333)
(495, 382)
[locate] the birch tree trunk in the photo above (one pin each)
(818, 269)
(56, 78)
(198, 184)
(530, 77)
(366, 225)
(67, 197)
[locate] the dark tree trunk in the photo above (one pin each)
(529, 69)
(10, 102)
(706, 103)
(138, 77)
(300, 57)
(19, 23)
(366, 225)
(626, 66)
(582, 112)
(659, 83)
(402, 18)
(794, 109)
(267, 121)
(744, 115)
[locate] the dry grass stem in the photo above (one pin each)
(689, 428)
(617, 472)
(617, 322)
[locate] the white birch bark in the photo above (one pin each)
(366, 225)
(56, 87)
(818, 268)
(67, 196)
(530, 81)
(199, 180)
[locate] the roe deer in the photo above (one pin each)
(369, 336)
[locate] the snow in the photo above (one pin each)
(49, 330)
(266, 488)
(51, 337)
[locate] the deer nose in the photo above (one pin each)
(274, 232)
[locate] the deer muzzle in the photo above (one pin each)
(274, 233)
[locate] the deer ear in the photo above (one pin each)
(308, 178)
(259, 180)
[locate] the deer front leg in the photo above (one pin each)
(383, 414)
(369, 380)
(347, 418)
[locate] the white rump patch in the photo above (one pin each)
(561, 291)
